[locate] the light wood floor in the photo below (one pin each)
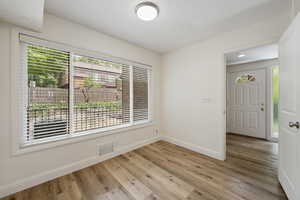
(166, 171)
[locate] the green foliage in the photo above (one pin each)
(112, 105)
(95, 61)
(43, 80)
(46, 66)
(100, 104)
(275, 98)
(275, 91)
(43, 106)
(89, 83)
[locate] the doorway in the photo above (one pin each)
(253, 92)
(252, 97)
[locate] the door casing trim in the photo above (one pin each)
(267, 65)
(230, 50)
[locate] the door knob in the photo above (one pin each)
(296, 125)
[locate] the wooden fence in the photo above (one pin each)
(58, 95)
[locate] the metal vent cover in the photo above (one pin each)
(105, 148)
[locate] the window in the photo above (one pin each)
(275, 101)
(245, 78)
(69, 92)
(101, 97)
(140, 94)
(48, 81)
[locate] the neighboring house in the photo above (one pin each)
(107, 76)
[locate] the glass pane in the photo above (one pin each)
(245, 78)
(101, 93)
(140, 94)
(48, 83)
(275, 99)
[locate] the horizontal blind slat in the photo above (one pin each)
(104, 83)
(101, 93)
(140, 94)
(47, 72)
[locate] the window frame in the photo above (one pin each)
(22, 146)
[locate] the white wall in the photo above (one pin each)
(19, 172)
(295, 7)
(193, 80)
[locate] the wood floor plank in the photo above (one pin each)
(194, 173)
(135, 187)
(114, 189)
(229, 168)
(70, 187)
(241, 165)
(165, 171)
(156, 186)
(235, 184)
(168, 180)
(89, 185)
(219, 165)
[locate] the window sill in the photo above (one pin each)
(77, 137)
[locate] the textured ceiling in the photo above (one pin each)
(28, 14)
(180, 22)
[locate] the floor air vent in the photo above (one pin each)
(105, 148)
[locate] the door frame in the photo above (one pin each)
(267, 66)
(226, 51)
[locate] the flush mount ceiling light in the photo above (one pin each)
(240, 55)
(147, 11)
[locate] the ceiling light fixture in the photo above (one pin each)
(147, 11)
(240, 55)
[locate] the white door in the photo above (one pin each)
(289, 111)
(246, 103)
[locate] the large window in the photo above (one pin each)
(70, 93)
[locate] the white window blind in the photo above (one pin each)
(101, 93)
(47, 84)
(70, 92)
(140, 94)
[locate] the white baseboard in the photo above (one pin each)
(196, 148)
(287, 185)
(46, 176)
